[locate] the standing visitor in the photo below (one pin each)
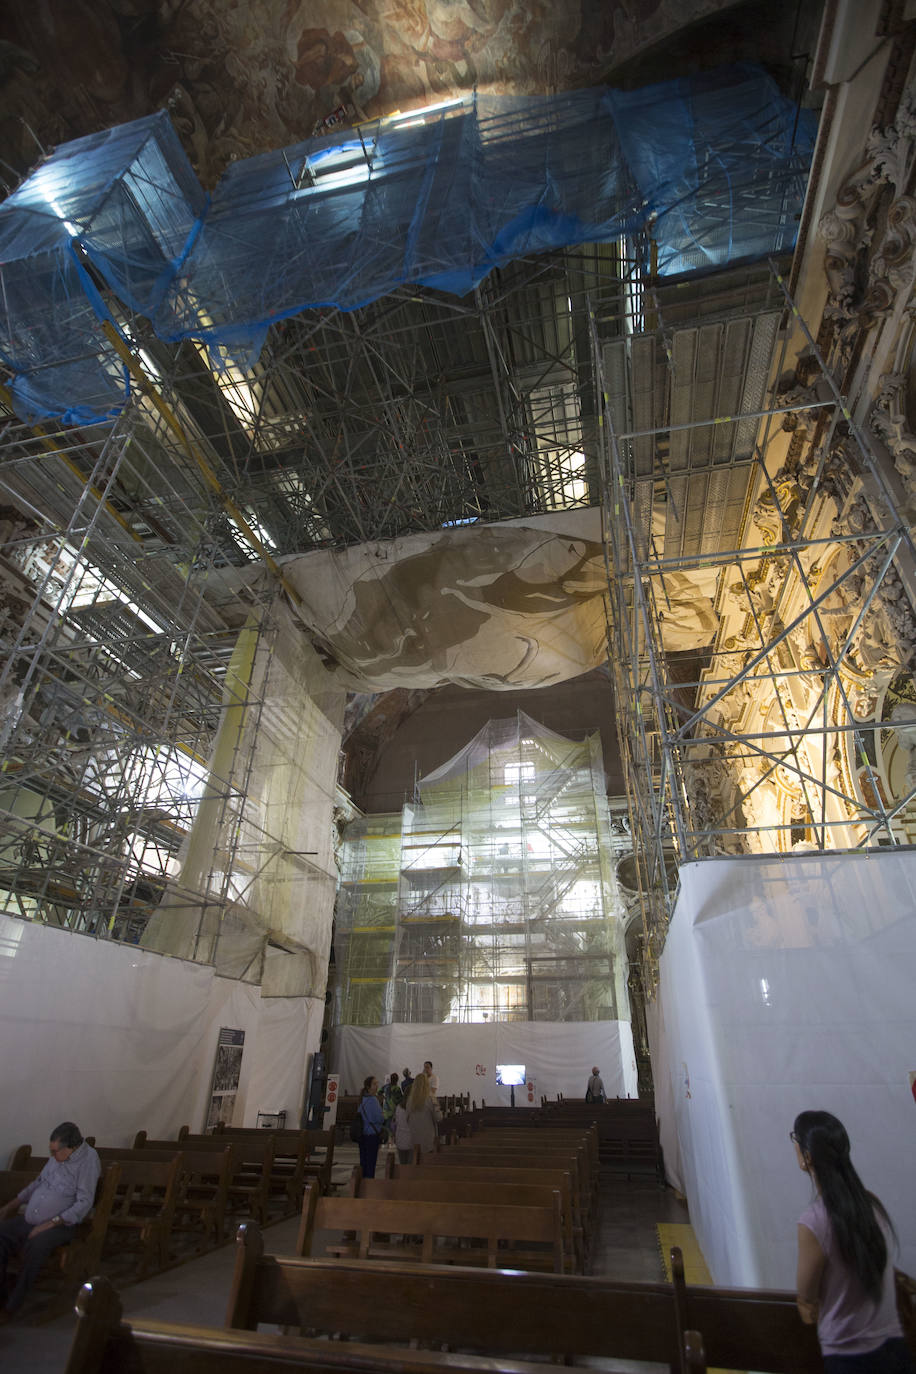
(423, 1115)
(403, 1141)
(594, 1092)
(433, 1077)
(845, 1272)
(371, 1113)
(391, 1096)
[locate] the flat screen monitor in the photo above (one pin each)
(510, 1075)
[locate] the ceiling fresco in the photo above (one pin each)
(242, 76)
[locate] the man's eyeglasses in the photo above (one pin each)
(793, 1137)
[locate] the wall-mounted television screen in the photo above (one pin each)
(510, 1075)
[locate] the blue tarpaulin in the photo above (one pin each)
(713, 166)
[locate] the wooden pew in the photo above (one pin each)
(567, 1316)
(144, 1207)
(574, 1160)
(253, 1181)
(627, 1130)
(203, 1196)
(104, 1343)
(560, 1179)
(288, 1165)
(509, 1233)
(23, 1161)
(314, 1140)
(76, 1260)
(513, 1142)
(436, 1188)
(204, 1178)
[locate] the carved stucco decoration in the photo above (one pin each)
(889, 421)
(870, 237)
(849, 229)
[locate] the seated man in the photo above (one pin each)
(55, 1202)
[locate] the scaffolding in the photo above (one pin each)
(762, 591)
(142, 715)
(492, 896)
(148, 624)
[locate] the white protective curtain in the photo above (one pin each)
(787, 984)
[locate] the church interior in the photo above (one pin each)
(457, 496)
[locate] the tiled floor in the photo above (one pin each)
(627, 1247)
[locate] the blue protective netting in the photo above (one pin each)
(129, 196)
(714, 166)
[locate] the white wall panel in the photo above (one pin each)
(787, 984)
(557, 1055)
(118, 1039)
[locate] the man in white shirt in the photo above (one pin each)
(433, 1078)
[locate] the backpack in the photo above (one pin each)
(356, 1127)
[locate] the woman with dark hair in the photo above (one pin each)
(371, 1112)
(845, 1273)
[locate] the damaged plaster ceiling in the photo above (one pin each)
(518, 604)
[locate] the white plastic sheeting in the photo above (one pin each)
(558, 1056)
(119, 1039)
(259, 859)
(786, 984)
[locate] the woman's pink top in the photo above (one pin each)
(848, 1322)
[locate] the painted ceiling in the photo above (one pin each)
(242, 76)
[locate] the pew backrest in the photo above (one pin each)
(499, 1311)
(104, 1343)
(496, 1225)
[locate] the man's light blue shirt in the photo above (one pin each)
(65, 1189)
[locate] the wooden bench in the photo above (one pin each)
(144, 1208)
(314, 1140)
(104, 1343)
(253, 1181)
(527, 1315)
(560, 1179)
(508, 1234)
(627, 1132)
(627, 1129)
(586, 1190)
(288, 1164)
(513, 1141)
(204, 1177)
(433, 1187)
(76, 1260)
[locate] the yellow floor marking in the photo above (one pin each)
(681, 1233)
